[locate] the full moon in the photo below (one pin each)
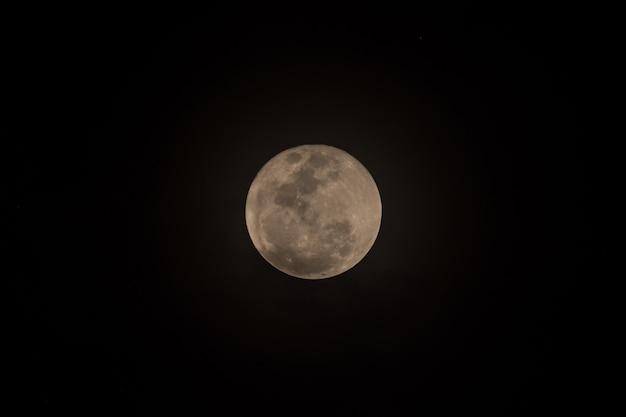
(313, 211)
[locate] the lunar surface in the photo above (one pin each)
(313, 211)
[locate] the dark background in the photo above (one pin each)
(135, 289)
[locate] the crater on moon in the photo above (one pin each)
(293, 157)
(313, 211)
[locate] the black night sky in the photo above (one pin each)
(136, 290)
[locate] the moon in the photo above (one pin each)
(313, 211)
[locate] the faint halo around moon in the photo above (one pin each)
(313, 211)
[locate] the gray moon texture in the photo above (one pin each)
(313, 211)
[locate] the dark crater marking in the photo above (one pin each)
(339, 227)
(294, 157)
(345, 250)
(337, 231)
(333, 175)
(304, 183)
(286, 195)
(317, 160)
